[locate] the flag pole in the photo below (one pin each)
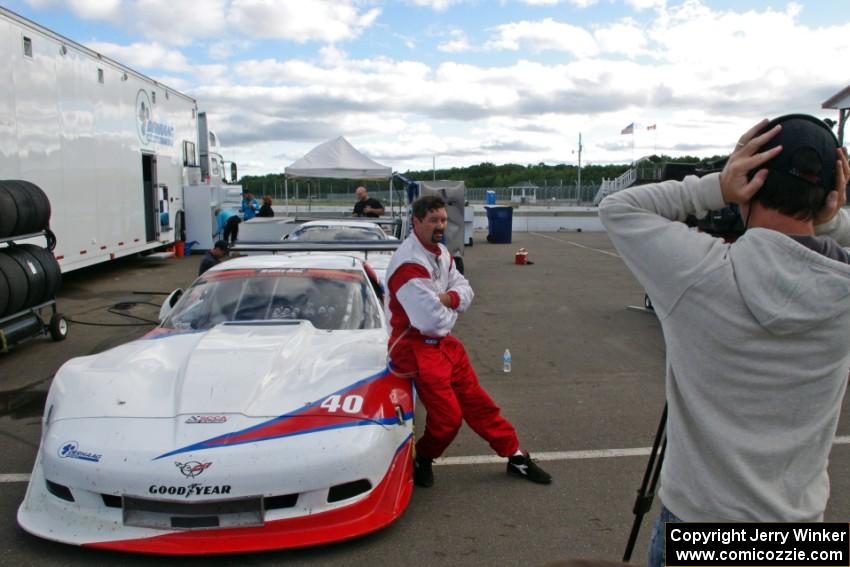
(578, 183)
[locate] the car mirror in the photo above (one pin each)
(169, 303)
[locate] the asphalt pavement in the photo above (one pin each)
(585, 393)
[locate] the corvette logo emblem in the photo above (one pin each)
(192, 469)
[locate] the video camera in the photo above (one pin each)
(724, 223)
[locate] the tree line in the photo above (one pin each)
(484, 174)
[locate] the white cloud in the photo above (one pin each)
(144, 56)
(437, 5)
(702, 74)
(95, 9)
(457, 44)
(646, 4)
(306, 20)
(578, 3)
(544, 35)
(226, 49)
(624, 37)
(179, 22)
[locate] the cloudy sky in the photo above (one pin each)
(466, 81)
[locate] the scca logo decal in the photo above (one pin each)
(70, 450)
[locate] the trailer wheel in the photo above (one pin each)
(58, 327)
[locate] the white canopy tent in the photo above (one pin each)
(336, 159)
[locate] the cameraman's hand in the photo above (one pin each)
(838, 197)
(734, 185)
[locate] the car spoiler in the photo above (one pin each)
(286, 247)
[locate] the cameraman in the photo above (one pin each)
(756, 331)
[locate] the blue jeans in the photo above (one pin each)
(655, 554)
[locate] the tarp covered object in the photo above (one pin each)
(454, 194)
(337, 159)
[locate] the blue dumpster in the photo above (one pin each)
(499, 224)
(491, 197)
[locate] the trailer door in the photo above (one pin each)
(150, 197)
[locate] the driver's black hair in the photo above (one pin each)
(424, 205)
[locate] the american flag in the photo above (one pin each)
(630, 129)
(651, 127)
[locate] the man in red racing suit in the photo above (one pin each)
(426, 293)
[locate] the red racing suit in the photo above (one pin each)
(421, 346)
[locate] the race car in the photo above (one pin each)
(366, 240)
(338, 230)
(259, 415)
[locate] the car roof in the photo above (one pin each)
(341, 223)
(295, 260)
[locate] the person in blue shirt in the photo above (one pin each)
(250, 206)
(227, 225)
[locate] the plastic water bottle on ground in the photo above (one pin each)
(506, 361)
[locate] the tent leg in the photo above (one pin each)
(286, 194)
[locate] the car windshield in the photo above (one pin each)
(329, 299)
(328, 233)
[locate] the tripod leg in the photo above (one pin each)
(646, 492)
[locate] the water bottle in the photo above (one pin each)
(506, 361)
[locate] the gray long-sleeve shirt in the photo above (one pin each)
(757, 355)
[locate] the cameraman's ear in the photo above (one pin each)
(829, 209)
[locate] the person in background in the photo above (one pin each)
(227, 222)
(213, 256)
(266, 210)
(250, 206)
(426, 293)
(755, 331)
(366, 206)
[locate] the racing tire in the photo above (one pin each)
(58, 327)
(4, 294)
(459, 264)
(27, 221)
(17, 283)
(52, 271)
(34, 273)
(647, 302)
(8, 213)
(41, 204)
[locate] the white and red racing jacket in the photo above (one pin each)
(415, 279)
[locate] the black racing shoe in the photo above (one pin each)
(423, 475)
(525, 467)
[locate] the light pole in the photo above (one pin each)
(578, 182)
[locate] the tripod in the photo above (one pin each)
(646, 492)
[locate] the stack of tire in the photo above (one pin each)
(29, 274)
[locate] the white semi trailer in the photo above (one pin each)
(115, 151)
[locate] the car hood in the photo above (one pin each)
(257, 370)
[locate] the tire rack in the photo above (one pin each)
(56, 326)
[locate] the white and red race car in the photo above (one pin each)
(259, 415)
